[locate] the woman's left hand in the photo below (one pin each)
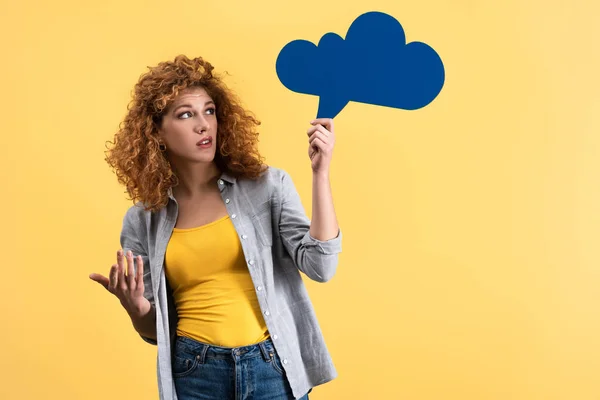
(321, 139)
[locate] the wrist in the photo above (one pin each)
(138, 311)
(323, 174)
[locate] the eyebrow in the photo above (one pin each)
(190, 106)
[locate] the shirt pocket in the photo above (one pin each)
(261, 220)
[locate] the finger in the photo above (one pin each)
(130, 275)
(320, 144)
(121, 275)
(312, 130)
(318, 135)
(312, 151)
(118, 272)
(112, 283)
(316, 128)
(101, 279)
(326, 122)
(323, 130)
(140, 272)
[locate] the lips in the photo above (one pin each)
(205, 141)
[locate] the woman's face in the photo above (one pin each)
(189, 127)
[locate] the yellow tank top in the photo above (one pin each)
(213, 291)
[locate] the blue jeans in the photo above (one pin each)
(208, 372)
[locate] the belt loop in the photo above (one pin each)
(202, 355)
(264, 351)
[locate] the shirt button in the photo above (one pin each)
(220, 181)
(267, 313)
(275, 337)
(227, 201)
(259, 288)
(251, 262)
(285, 361)
(233, 215)
(244, 237)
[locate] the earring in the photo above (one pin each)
(162, 146)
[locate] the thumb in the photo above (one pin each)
(101, 279)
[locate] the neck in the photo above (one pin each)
(196, 179)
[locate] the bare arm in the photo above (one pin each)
(314, 245)
(324, 225)
(144, 321)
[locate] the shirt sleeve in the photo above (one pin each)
(315, 258)
(130, 241)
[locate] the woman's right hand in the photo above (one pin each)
(129, 289)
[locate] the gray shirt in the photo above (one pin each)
(273, 228)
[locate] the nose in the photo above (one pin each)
(201, 124)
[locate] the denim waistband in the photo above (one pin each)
(202, 351)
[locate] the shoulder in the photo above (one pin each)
(135, 214)
(273, 185)
(272, 179)
(274, 174)
(277, 176)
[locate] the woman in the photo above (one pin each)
(213, 247)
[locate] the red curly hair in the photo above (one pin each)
(136, 158)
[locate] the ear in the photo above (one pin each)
(160, 131)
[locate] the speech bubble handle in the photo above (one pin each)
(330, 106)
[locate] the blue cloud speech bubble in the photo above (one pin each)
(373, 65)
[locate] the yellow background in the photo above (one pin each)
(470, 267)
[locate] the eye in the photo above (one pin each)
(182, 114)
(210, 111)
